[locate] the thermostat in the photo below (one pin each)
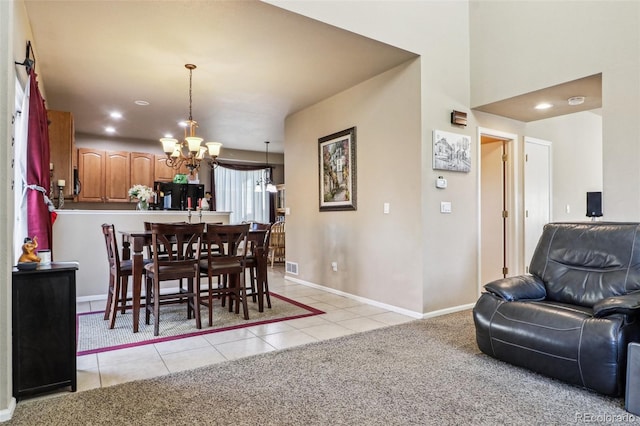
(441, 182)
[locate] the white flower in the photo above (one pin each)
(140, 192)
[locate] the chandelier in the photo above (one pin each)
(190, 151)
(265, 182)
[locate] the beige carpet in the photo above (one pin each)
(95, 336)
(426, 372)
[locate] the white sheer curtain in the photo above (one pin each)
(21, 126)
(235, 192)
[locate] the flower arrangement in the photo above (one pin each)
(141, 193)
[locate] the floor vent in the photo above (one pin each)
(292, 268)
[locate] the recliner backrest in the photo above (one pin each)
(583, 263)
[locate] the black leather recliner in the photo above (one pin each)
(574, 315)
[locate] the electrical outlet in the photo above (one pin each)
(334, 266)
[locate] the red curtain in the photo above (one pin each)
(38, 180)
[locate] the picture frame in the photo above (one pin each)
(451, 151)
(337, 171)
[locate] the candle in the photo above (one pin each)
(50, 166)
(61, 182)
(189, 203)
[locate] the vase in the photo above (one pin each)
(142, 205)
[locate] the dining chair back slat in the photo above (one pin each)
(119, 273)
(257, 260)
(182, 245)
(225, 260)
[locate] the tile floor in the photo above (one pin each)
(343, 316)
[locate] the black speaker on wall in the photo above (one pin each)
(594, 204)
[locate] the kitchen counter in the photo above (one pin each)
(77, 236)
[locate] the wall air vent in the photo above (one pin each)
(292, 268)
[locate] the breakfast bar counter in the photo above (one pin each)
(77, 236)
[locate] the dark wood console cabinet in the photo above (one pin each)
(44, 329)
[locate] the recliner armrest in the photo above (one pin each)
(627, 304)
(521, 287)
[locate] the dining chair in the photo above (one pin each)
(119, 273)
(276, 243)
(182, 244)
(257, 261)
(226, 259)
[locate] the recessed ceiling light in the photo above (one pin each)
(182, 123)
(576, 100)
(543, 105)
(110, 129)
(168, 135)
(141, 103)
(116, 115)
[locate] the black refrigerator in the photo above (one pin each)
(176, 196)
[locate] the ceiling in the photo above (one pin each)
(256, 64)
(522, 108)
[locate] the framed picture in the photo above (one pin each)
(337, 170)
(451, 151)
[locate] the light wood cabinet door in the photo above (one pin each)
(142, 169)
(117, 176)
(164, 173)
(62, 149)
(91, 172)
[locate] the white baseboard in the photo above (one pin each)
(448, 310)
(7, 413)
(391, 308)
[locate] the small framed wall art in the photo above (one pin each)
(337, 170)
(451, 151)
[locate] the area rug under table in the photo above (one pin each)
(95, 336)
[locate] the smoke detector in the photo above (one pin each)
(576, 100)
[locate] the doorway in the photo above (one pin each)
(498, 210)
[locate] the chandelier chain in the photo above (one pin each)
(190, 96)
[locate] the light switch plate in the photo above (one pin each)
(445, 207)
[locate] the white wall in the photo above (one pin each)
(577, 160)
(7, 91)
(77, 237)
(518, 47)
(446, 244)
(378, 255)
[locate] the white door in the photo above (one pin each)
(537, 193)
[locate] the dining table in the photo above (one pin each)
(134, 242)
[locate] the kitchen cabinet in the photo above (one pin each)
(104, 175)
(91, 171)
(117, 176)
(142, 169)
(44, 329)
(165, 173)
(62, 149)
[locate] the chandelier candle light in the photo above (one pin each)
(176, 156)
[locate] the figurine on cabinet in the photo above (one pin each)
(29, 251)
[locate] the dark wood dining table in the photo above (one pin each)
(138, 240)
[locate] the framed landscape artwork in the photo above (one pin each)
(337, 170)
(451, 151)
